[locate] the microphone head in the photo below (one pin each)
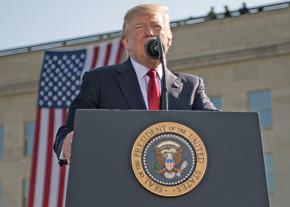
(151, 49)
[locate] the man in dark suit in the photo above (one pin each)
(135, 84)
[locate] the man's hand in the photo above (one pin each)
(66, 147)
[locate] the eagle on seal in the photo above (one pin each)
(169, 155)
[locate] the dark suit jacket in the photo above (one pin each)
(117, 87)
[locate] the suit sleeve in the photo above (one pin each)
(201, 100)
(86, 99)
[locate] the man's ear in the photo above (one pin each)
(169, 38)
(169, 41)
(125, 42)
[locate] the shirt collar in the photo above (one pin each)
(141, 70)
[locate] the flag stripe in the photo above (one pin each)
(55, 170)
(34, 161)
(108, 53)
(95, 57)
(62, 171)
(41, 158)
(61, 197)
(46, 192)
(114, 51)
(66, 171)
(101, 56)
(120, 53)
(65, 184)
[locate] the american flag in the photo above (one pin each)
(59, 83)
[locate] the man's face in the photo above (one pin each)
(140, 28)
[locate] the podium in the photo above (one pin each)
(102, 171)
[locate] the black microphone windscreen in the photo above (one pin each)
(151, 48)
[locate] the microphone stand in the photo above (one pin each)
(164, 91)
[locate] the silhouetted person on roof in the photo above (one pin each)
(244, 9)
(211, 15)
(227, 12)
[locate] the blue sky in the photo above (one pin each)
(31, 22)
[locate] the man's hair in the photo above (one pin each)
(146, 9)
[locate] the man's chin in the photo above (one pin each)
(147, 61)
(152, 63)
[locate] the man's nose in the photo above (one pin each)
(149, 32)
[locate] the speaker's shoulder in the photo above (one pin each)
(185, 77)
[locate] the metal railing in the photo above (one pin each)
(110, 35)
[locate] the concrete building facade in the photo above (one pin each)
(238, 58)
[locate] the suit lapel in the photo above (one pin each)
(129, 85)
(174, 86)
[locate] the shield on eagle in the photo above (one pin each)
(169, 164)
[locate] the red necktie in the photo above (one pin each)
(153, 91)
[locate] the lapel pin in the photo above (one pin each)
(175, 85)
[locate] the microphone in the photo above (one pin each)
(151, 48)
(155, 50)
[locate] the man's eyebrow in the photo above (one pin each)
(139, 24)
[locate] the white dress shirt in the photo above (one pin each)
(143, 78)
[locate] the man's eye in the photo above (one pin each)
(139, 27)
(157, 26)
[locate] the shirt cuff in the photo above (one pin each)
(62, 161)
(61, 157)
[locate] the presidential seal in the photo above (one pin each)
(169, 159)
